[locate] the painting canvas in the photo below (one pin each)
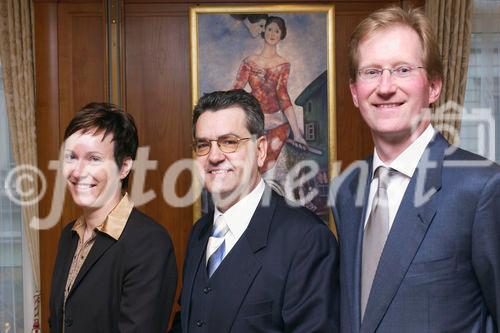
(283, 55)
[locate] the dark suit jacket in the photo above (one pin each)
(285, 278)
(440, 267)
(124, 285)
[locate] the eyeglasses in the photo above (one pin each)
(226, 143)
(372, 74)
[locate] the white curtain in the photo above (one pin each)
(16, 54)
(481, 118)
(12, 316)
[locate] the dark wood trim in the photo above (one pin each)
(48, 128)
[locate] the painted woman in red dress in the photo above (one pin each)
(267, 74)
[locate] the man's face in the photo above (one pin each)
(90, 170)
(256, 28)
(229, 176)
(395, 109)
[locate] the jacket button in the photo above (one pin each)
(68, 322)
(200, 323)
(206, 290)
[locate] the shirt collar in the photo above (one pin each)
(239, 215)
(407, 161)
(79, 227)
(114, 223)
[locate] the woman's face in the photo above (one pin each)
(90, 170)
(272, 34)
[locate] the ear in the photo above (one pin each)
(261, 150)
(126, 167)
(435, 86)
(354, 93)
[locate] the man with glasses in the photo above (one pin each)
(419, 221)
(255, 263)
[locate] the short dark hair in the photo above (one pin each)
(281, 24)
(252, 18)
(110, 119)
(219, 100)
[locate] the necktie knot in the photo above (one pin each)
(216, 246)
(384, 175)
(220, 227)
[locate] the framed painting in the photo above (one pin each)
(284, 56)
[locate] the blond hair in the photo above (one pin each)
(385, 18)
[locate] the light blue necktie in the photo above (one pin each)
(216, 245)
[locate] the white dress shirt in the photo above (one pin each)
(239, 215)
(405, 164)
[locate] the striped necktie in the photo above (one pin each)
(216, 245)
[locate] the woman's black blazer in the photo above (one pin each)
(124, 285)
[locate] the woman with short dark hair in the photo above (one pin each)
(115, 269)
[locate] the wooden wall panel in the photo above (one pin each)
(353, 136)
(82, 57)
(47, 123)
(158, 96)
(413, 3)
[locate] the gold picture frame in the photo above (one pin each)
(218, 40)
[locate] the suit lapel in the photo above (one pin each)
(410, 225)
(241, 266)
(195, 260)
(101, 245)
(67, 252)
(353, 238)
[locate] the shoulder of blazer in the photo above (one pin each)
(67, 233)
(301, 213)
(202, 225)
(453, 155)
(458, 154)
(67, 228)
(287, 217)
(142, 228)
(139, 220)
(352, 180)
